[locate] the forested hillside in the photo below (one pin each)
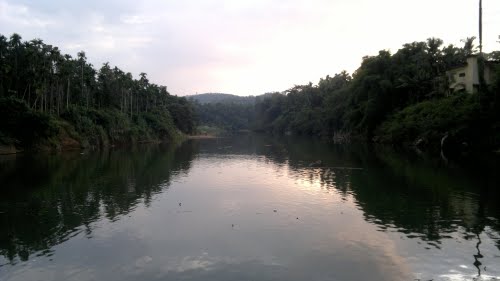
(224, 112)
(52, 99)
(399, 98)
(222, 98)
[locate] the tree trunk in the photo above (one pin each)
(51, 99)
(67, 96)
(131, 104)
(121, 101)
(81, 81)
(25, 90)
(34, 104)
(29, 95)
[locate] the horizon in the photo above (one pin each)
(246, 48)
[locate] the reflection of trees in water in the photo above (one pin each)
(425, 197)
(48, 199)
(298, 154)
(420, 197)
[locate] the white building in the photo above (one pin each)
(466, 77)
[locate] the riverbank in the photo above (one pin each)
(201, 137)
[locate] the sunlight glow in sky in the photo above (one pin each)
(244, 47)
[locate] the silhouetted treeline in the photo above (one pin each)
(209, 98)
(103, 104)
(226, 116)
(393, 98)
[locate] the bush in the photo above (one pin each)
(455, 115)
(160, 124)
(20, 125)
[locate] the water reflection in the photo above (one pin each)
(420, 197)
(403, 191)
(250, 208)
(46, 200)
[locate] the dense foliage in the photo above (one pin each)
(408, 92)
(107, 102)
(393, 98)
(222, 98)
(222, 113)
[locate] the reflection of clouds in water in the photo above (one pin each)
(349, 263)
(202, 262)
(367, 251)
(143, 261)
(209, 268)
(367, 256)
(136, 267)
(327, 227)
(315, 265)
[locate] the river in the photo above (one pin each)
(248, 208)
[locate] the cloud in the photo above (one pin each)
(241, 47)
(135, 19)
(21, 15)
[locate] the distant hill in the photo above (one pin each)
(222, 98)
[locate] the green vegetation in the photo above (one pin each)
(209, 131)
(52, 100)
(392, 98)
(22, 125)
(208, 98)
(226, 116)
(458, 115)
(223, 113)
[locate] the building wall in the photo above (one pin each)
(457, 78)
(467, 77)
(472, 75)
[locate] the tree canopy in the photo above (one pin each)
(382, 86)
(56, 84)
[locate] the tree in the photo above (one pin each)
(58, 85)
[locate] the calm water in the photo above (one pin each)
(248, 208)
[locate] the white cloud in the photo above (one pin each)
(20, 15)
(135, 19)
(242, 47)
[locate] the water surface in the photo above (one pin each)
(248, 208)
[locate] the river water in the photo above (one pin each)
(248, 208)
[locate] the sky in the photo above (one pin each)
(242, 47)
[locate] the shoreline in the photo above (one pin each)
(201, 137)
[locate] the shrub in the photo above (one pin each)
(456, 115)
(21, 124)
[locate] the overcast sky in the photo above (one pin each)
(243, 47)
